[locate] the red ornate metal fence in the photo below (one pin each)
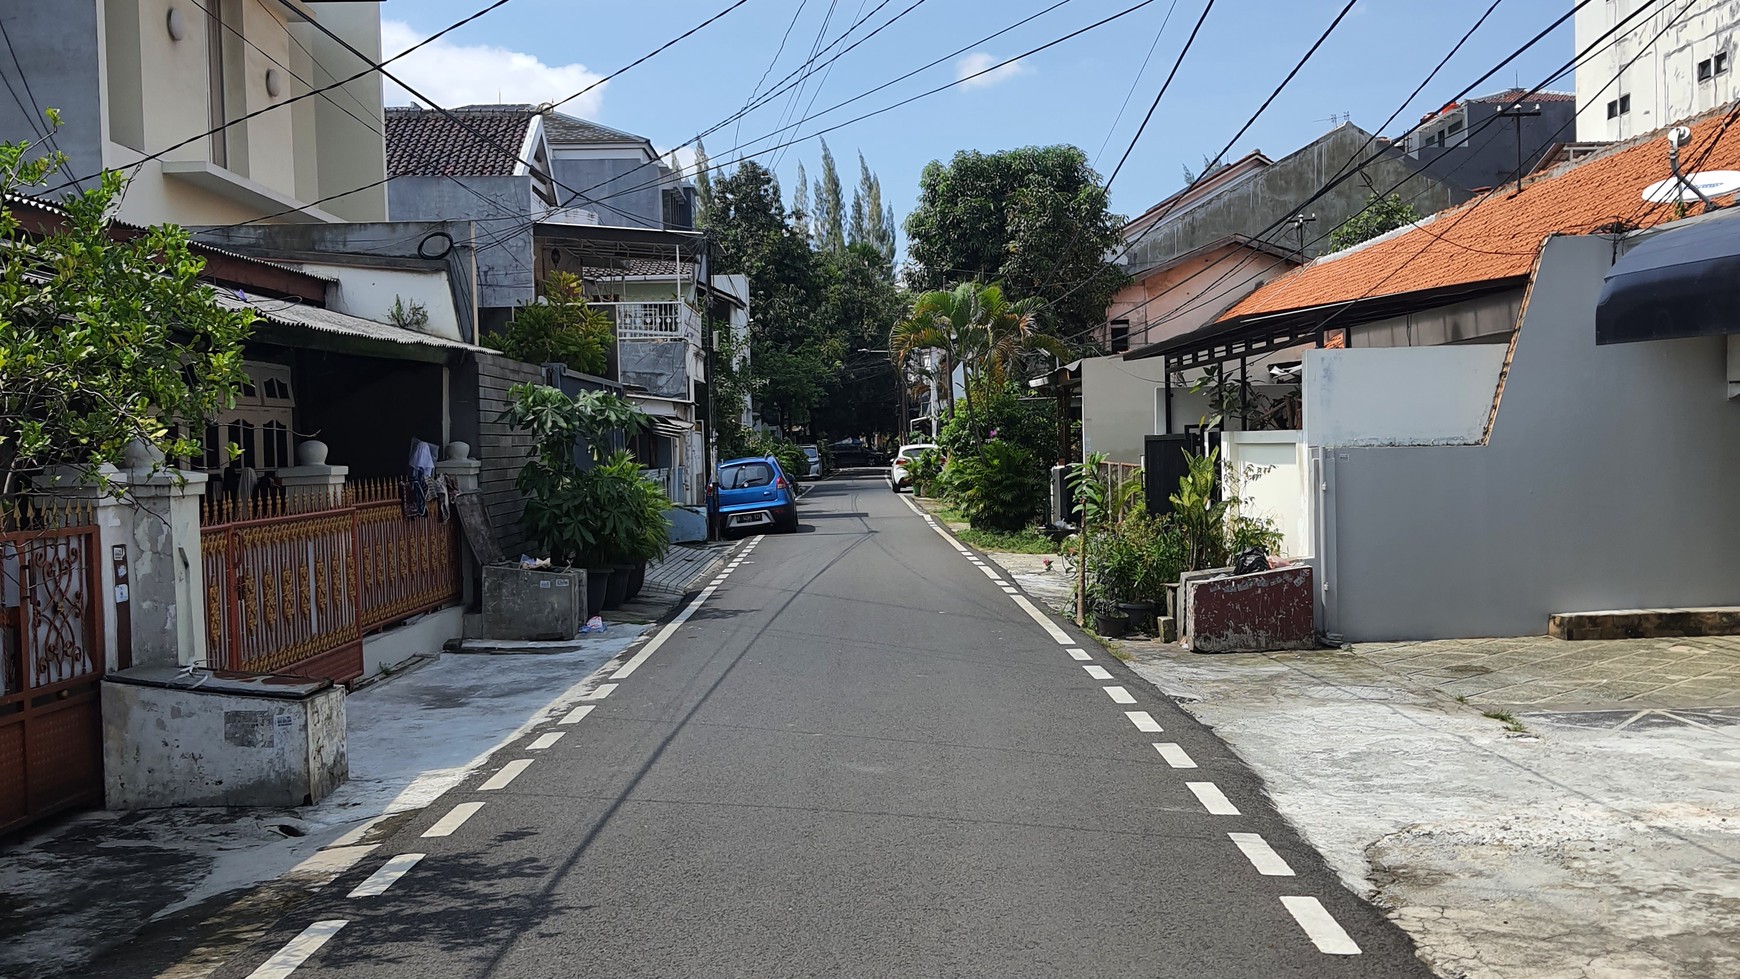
(51, 662)
(294, 582)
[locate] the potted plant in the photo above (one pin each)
(1109, 620)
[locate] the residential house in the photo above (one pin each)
(140, 84)
(1474, 459)
(507, 169)
(1195, 253)
(1493, 139)
(1669, 63)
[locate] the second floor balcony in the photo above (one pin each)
(669, 320)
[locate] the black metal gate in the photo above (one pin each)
(51, 665)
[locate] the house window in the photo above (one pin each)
(1613, 109)
(1455, 127)
(1120, 335)
(1704, 70)
(1721, 63)
(1624, 104)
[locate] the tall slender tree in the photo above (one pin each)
(800, 204)
(703, 186)
(857, 231)
(830, 228)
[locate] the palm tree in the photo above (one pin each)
(975, 326)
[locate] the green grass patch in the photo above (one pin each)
(1019, 542)
(1506, 718)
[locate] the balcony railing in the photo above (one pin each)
(654, 321)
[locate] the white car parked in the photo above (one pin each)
(897, 475)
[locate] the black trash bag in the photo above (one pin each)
(1251, 560)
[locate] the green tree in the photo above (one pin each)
(861, 300)
(792, 348)
(560, 328)
(872, 225)
(107, 335)
(829, 224)
(1034, 219)
(977, 328)
(1380, 216)
(703, 185)
(800, 204)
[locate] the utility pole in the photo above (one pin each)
(1300, 222)
(1518, 113)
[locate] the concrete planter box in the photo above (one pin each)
(520, 603)
(220, 739)
(1250, 613)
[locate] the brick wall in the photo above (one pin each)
(501, 448)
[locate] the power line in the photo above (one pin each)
(774, 61)
(36, 117)
(1177, 64)
(1605, 40)
(650, 54)
(372, 68)
(1131, 93)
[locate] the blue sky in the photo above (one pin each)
(543, 50)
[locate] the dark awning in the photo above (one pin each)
(1682, 282)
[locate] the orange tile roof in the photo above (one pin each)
(1498, 236)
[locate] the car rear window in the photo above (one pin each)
(748, 475)
(914, 451)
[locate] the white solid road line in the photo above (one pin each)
(1119, 695)
(601, 691)
(545, 741)
(297, 950)
(1212, 798)
(1261, 854)
(666, 633)
(1078, 654)
(1174, 755)
(505, 777)
(1144, 721)
(575, 715)
(449, 824)
(1320, 927)
(1043, 620)
(388, 875)
(1098, 672)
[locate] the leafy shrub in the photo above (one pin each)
(998, 487)
(560, 330)
(926, 470)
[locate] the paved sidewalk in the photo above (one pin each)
(685, 565)
(87, 884)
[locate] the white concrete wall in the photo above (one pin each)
(1118, 404)
(1401, 395)
(1663, 83)
(426, 635)
(370, 292)
(1607, 482)
(1267, 471)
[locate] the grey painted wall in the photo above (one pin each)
(1487, 319)
(1253, 204)
(640, 208)
(1488, 157)
(502, 208)
(56, 44)
(1608, 482)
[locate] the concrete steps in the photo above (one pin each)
(1645, 623)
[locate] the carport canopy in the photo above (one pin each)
(1683, 281)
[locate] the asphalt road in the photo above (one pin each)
(859, 756)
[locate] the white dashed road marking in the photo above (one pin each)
(449, 824)
(1078, 654)
(297, 951)
(1044, 621)
(602, 691)
(1212, 798)
(1098, 672)
(1144, 721)
(388, 875)
(1119, 695)
(505, 777)
(1175, 756)
(1261, 855)
(1324, 932)
(1010, 591)
(545, 741)
(575, 715)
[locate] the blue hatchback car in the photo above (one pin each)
(754, 493)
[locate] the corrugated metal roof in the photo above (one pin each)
(343, 324)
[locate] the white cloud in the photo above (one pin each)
(468, 74)
(685, 159)
(978, 61)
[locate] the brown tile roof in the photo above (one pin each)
(1497, 236)
(567, 130)
(1510, 95)
(426, 143)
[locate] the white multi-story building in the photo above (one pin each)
(1664, 67)
(198, 102)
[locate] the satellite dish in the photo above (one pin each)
(1714, 183)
